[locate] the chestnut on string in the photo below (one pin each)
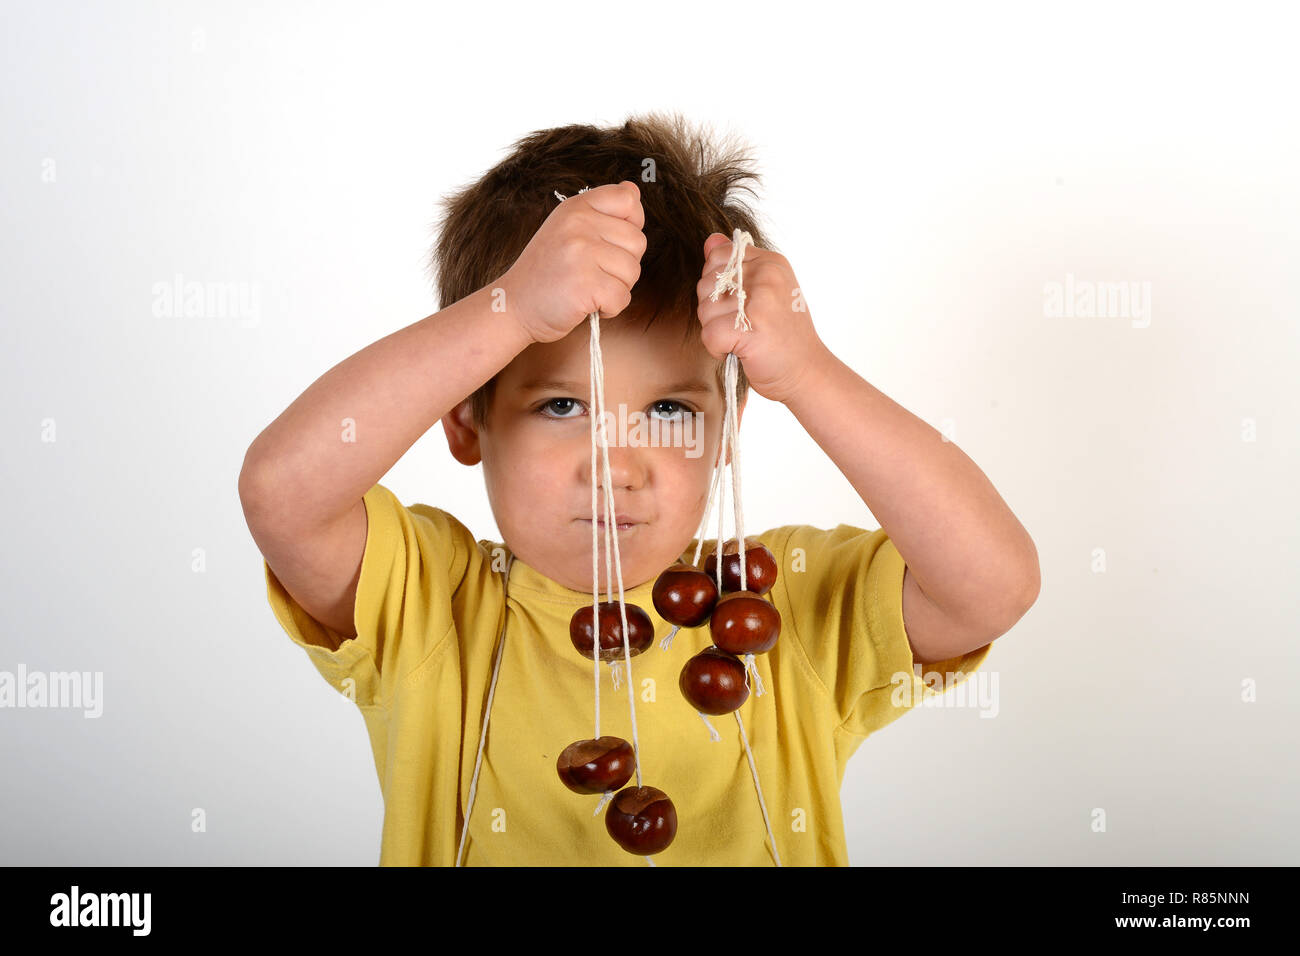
(745, 623)
(642, 820)
(760, 566)
(684, 597)
(596, 765)
(713, 682)
(640, 631)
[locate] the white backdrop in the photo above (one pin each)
(931, 174)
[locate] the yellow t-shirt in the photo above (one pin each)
(428, 615)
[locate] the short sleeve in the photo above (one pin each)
(413, 564)
(844, 588)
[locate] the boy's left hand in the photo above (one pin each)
(782, 347)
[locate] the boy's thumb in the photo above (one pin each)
(712, 241)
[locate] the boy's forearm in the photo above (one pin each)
(341, 435)
(968, 553)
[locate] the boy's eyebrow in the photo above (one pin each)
(585, 387)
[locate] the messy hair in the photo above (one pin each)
(687, 183)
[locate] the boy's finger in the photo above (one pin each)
(621, 200)
(718, 249)
(714, 240)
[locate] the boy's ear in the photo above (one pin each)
(462, 434)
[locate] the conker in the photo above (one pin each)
(713, 682)
(684, 595)
(760, 566)
(594, 766)
(744, 623)
(642, 820)
(640, 631)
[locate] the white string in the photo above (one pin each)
(668, 638)
(713, 732)
(595, 571)
(731, 279)
(722, 508)
(482, 738)
(758, 681)
(611, 531)
(737, 498)
(759, 790)
(708, 504)
(611, 535)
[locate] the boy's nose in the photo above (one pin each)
(626, 469)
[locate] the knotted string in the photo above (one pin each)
(731, 279)
(614, 570)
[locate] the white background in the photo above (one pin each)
(927, 172)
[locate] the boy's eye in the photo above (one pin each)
(677, 415)
(564, 404)
(558, 407)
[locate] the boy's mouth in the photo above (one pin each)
(622, 525)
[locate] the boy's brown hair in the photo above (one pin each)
(686, 182)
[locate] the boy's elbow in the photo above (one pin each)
(1021, 594)
(1031, 583)
(248, 482)
(252, 481)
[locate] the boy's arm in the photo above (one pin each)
(305, 476)
(972, 569)
(345, 432)
(340, 436)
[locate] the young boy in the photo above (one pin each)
(402, 609)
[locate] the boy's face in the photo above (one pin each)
(663, 408)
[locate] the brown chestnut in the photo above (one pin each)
(745, 623)
(642, 820)
(713, 682)
(640, 631)
(594, 766)
(684, 595)
(760, 566)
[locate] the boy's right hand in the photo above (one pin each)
(585, 258)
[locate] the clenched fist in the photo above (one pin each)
(585, 258)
